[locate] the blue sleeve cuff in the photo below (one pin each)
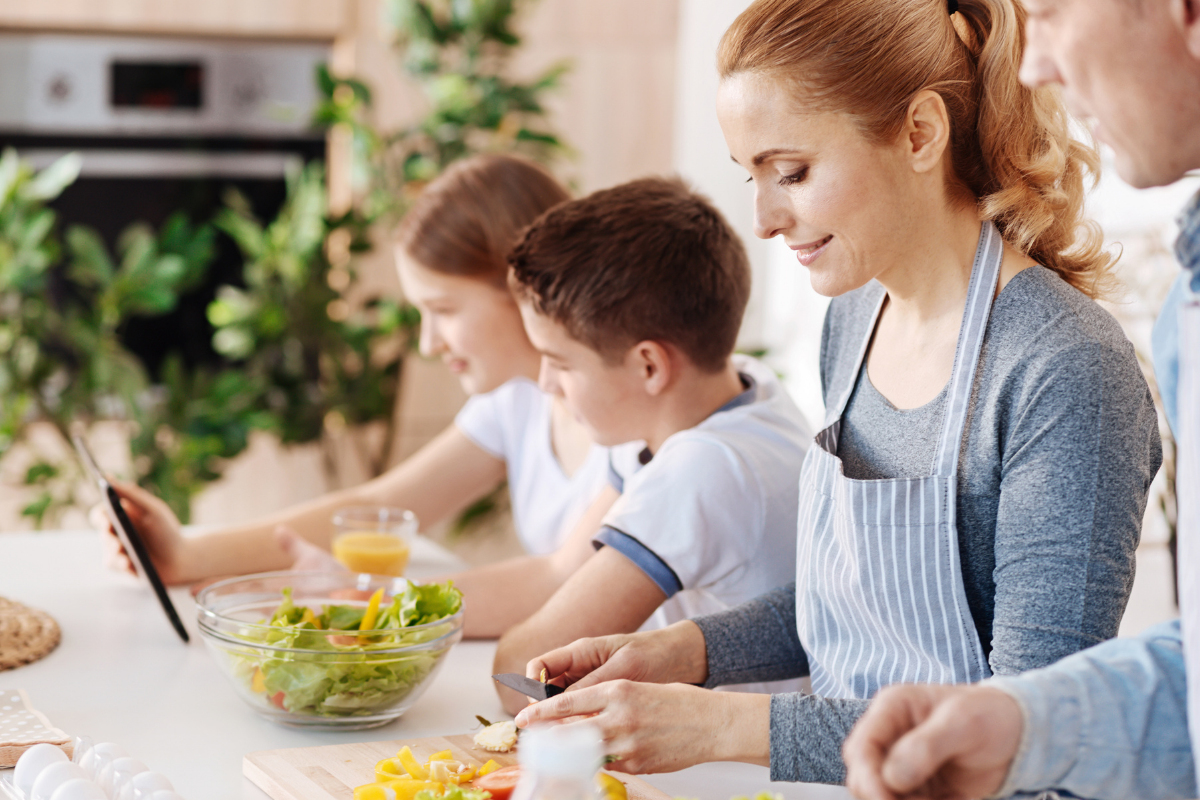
(645, 558)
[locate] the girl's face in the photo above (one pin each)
(472, 325)
(843, 204)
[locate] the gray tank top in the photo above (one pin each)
(879, 441)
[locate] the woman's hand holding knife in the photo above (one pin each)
(617, 683)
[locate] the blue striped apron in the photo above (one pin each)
(879, 585)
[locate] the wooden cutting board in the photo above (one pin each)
(331, 772)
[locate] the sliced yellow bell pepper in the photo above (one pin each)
(368, 620)
(258, 683)
(390, 769)
(374, 791)
(413, 767)
(611, 788)
(488, 768)
(444, 755)
(407, 789)
(310, 618)
(469, 775)
(403, 789)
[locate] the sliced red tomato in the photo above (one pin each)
(500, 783)
(277, 699)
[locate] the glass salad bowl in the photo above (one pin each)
(326, 649)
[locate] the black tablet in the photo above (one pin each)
(130, 539)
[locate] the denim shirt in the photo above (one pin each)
(1111, 721)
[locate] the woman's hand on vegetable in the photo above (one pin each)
(155, 522)
(675, 654)
(922, 741)
(654, 728)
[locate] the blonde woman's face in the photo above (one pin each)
(473, 326)
(843, 204)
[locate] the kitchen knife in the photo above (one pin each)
(528, 686)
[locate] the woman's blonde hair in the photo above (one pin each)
(466, 221)
(1009, 144)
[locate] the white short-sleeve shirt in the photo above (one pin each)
(512, 422)
(711, 518)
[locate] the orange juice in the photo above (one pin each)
(370, 551)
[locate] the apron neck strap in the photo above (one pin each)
(985, 273)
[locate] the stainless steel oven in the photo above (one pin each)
(163, 125)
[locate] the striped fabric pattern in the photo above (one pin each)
(879, 595)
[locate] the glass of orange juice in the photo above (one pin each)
(373, 539)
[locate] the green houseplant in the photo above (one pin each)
(300, 357)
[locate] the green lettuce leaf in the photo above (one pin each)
(355, 677)
(454, 793)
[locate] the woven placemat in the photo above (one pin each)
(26, 634)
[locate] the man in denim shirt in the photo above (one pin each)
(1110, 722)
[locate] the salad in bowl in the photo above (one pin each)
(336, 650)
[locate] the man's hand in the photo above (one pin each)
(933, 743)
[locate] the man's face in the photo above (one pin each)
(1125, 67)
(609, 400)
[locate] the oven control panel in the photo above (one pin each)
(85, 84)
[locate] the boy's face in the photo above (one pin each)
(609, 400)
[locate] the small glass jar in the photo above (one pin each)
(560, 762)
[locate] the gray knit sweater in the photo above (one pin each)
(1059, 452)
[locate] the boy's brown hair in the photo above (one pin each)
(646, 260)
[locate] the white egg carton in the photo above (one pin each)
(96, 772)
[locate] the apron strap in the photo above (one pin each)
(985, 273)
(836, 410)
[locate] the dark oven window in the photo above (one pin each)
(141, 84)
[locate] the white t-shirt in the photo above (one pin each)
(512, 422)
(711, 518)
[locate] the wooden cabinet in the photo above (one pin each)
(291, 19)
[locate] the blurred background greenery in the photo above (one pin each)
(303, 353)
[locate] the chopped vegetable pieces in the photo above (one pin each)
(414, 768)
(390, 769)
(499, 737)
(403, 789)
(499, 784)
(611, 788)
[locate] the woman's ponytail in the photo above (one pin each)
(1035, 171)
(1010, 145)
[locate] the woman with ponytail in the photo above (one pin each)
(973, 503)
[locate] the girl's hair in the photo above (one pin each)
(1009, 144)
(467, 220)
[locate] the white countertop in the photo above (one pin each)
(122, 675)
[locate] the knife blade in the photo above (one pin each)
(528, 686)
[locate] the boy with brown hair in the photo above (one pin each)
(634, 296)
